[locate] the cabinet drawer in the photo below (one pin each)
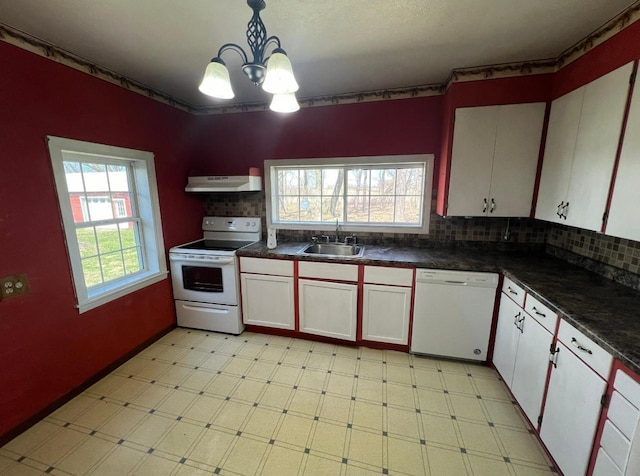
(615, 444)
(628, 387)
(604, 466)
(541, 313)
(334, 271)
(390, 276)
(587, 350)
(277, 267)
(514, 291)
(622, 414)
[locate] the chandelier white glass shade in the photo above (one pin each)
(274, 72)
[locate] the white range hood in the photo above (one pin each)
(236, 183)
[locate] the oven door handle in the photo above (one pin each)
(215, 260)
(206, 309)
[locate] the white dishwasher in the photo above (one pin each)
(452, 313)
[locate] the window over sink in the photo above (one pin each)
(378, 194)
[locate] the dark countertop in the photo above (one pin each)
(606, 312)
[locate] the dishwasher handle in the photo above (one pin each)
(458, 283)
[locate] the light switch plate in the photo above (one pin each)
(13, 286)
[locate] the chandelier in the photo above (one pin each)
(273, 72)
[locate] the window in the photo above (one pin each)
(389, 193)
(109, 205)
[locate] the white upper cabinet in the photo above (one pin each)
(624, 220)
(582, 141)
(494, 160)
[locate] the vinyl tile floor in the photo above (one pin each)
(198, 402)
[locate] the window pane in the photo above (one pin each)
(383, 181)
(289, 208)
(108, 238)
(332, 182)
(381, 210)
(96, 206)
(132, 260)
(409, 181)
(95, 177)
(408, 209)
(118, 180)
(332, 209)
(91, 271)
(288, 182)
(87, 242)
(310, 209)
(112, 267)
(310, 182)
(358, 182)
(128, 232)
(358, 209)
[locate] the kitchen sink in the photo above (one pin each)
(333, 249)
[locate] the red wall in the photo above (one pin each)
(46, 347)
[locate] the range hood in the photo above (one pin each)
(235, 183)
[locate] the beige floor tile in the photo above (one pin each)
(329, 438)
(155, 466)
(399, 374)
(522, 446)
(319, 466)
(319, 361)
(324, 347)
(371, 390)
(301, 345)
(262, 370)
(276, 396)
(198, 380)
(395, 357)
(180, 438)
(152, 396)
(295, 357)
(458, 383)
(522, 470)
(222, 385)
(340, 384)
(294, 430)
(365, 447)
(439, 429)
(368, 415)
(262, 422)
(73, 409)
(215, 361)
(406, 457)
(151, 371)
(129, 390)
(429, 378)
(313, 379)
(34, 436)
(335, 408)
(86, 455)
(272, 354)
(493, 467)
(400, 395)
(491, 388)
(232, 415)
(282, 462)
(238, 366)
(229, 346)
(20, 469)
(344, 365)
(150, 431)
(177, 402)
(306, 402)
(203, 408)
(369, 369)
(245, 457)
(445, 462)
(123, 422)
(280, 341)
(5, 462)
(250, 350)
(193, 358)
(467, 407)
(478, 437)
(120, 461)
(132, 366)
(211, 447)
(347, 351)
(477, 370)
(403, 422)
(423, 362)
(504, 413)
(371, 354)
(210, 342)
(452, 366)
(98, 415)
(433, 401)
(107, 385)
(356, 470)
(163, 351)
(248, 391)
(286, 375)
(175, 375)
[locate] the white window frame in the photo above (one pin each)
(270, 167)
(146, 190)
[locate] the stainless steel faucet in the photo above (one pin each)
(337, 230)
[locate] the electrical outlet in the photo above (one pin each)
(13, 286)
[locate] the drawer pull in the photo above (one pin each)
(538, 313)
(575, 343)
(512, 291)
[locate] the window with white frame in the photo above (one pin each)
(109, 204)
(386, 193)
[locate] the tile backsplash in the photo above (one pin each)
(616, 258)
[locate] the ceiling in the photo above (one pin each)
(335, 46)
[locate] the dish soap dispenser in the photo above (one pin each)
(271, 238)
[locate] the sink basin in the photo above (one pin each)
(333, 249)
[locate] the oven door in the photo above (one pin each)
(204, 278)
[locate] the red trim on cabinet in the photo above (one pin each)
(296, 298)
(543, 143)
(411, 308)
(616, 163)
(360, 304)
(494, 320)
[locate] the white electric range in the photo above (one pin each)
(204, 274)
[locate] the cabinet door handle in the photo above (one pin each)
(521, 326)
(493, 206)
(577, 345)
(511, 290)
(560, 205)
(553, 356)
(515, 319)
(538, 313)
(565, 210)
(484, 206)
